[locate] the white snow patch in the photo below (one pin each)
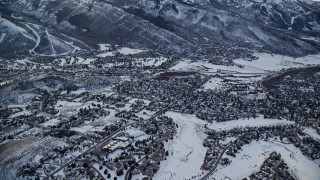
(25, 112)
(206, 67)
(79, 91)
(51, 122)
(271, 62)
(251, 122)
(213, 83)
(2, 37)
(88, 61)
(128, 51)
(265, 64)
(104, 47)
(312, 133)
(82, 129)
(106, 54)
(134, 132)
(145, 114)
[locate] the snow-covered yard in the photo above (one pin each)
(129, 51)
(82, 129)
(137, 133)
(188, 151)
(25, 112)
(2, 37)
(145, 114)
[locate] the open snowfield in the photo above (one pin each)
(104, 47)
(51, 122)
(312, 133)
(68, 104)
(29, 132)
(272, 62)
(145, 114)
(129, 51)
(67, 107)
(123, 50)
(188, 151)
(208, 68)
(213, 83)
(265, 64)
(252, 156)
(87, 61)
(251, 122)
(25, 112)
(82, 129)
(134, 132)
(106, 54)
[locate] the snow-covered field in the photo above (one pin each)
(70, 108)
(104, 47)
(252, 156)
(251, 122)
(205, 67)
(25, 112)
(15, 153)
(129, 51)
(188, 151)
(2, 36)
(67, 107)
(213, 83)
(312, 133)
(134, 132)
(145, 114)
(51, 122)
(29, 132)
(106, 54)
(123, 50)
(82, 129)
(265, 64)
(272, 62)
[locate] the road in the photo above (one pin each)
(106, 139)
(219, 158)
(126, 177)
(102, 177)
(87, 151)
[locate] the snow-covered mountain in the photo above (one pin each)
(59, 27)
